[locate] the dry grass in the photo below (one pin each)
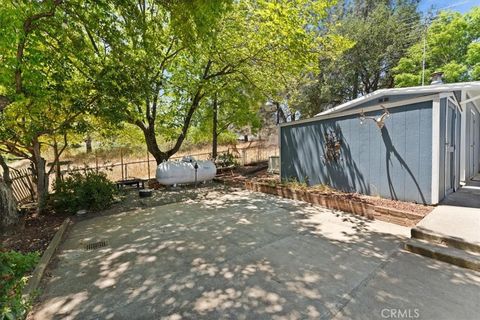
(137, 166)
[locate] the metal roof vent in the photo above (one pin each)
(437, 78)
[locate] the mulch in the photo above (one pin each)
(33, 233)
(238, 177)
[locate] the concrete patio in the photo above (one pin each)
(458, 215)
(235, 254)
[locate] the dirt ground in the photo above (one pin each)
(33, 233)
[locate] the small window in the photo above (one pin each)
(383, 99)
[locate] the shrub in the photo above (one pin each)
(90, 191)
(13, 269)
(295, 184)
(226, 160)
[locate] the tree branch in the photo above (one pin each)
(28, 26)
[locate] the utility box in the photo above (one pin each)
(274, 164)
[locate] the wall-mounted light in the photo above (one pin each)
(380, 121)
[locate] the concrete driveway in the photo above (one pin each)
(242, 255)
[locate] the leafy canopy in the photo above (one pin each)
(452, 47)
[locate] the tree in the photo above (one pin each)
(381, 32)
(452, 47)
(229, 109)
(155, 75)
(8, 206)
(46, 96)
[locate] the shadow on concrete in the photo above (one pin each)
(466, 196)
(234, 254)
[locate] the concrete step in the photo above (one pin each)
(449, 241)
(450, 255)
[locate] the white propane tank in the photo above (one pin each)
(183, 172)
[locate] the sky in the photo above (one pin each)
(454, 5)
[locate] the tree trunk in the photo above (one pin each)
(58, 175)
(277, 105)
(39, 166)
(152, 146)
(8, 205)
(88, 144)
(355, 87)
(214, 130)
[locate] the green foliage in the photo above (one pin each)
(380, 32)
(158, 62)
(452, 47)
(13, 269)
(295, 184)
(89, 190)
(226, 159)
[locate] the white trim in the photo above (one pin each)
(475, 105)
(400, 91)
(471, 153)
(464, 102)
(452, 98)
(369, 109)
(444, 147)
(435, 185)
(463, 141)
(455, 103)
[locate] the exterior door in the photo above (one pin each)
(450, 150)
(472, 146)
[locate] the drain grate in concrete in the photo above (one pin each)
(95, 245)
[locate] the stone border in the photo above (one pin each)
(37, 274)
(403, 218)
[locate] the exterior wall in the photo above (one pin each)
(458, 148)
(444, 104)
(472, 146)
(443, 119)
(394, 162)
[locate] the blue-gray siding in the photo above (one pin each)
(394, 162)
(442, 137)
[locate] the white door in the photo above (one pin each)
(472, 150)
(450, 149)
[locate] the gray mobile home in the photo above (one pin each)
(413, 144)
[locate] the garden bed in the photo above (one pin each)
(398, 212)
(33, 234)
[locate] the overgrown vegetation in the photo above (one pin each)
(89, 190)
(14, 267)
(180, 73)
(226, 159)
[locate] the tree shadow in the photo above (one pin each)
(344, 174)
(392, 151)
(228, 254)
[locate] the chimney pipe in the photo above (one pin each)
(437, 78)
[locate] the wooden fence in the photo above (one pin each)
(22, 185)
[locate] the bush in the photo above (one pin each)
(13, 269)
(91, 191)
(226, 160)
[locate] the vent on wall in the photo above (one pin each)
(95, 245)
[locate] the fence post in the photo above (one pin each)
(244, 157)
(96, 161)
(148, 164)
(121, 163)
